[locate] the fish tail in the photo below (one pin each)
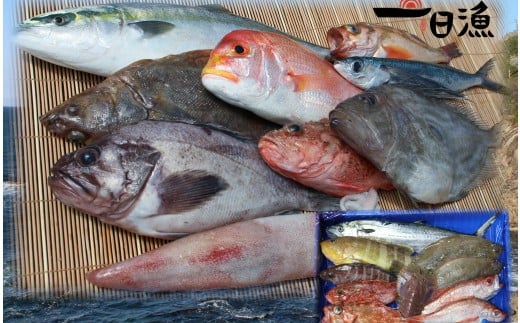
(451, 50)
(488, 83)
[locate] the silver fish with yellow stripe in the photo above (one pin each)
(105, 38)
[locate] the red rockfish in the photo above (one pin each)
(313, 155)
(274, 77)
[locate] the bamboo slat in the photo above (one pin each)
(54, 246)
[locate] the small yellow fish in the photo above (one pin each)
(363, 39)
(347, 250)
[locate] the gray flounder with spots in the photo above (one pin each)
(166, 179)
(167, 88)
(429, 148)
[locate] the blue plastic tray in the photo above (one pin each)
(466, 222)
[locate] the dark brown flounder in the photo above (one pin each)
(168, 89)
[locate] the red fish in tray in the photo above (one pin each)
(312, 154)
(483, 288)
(364, 39)
(467, 310)
(360, 313)
(366, 291)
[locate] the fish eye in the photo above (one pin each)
(357, 66)
(340, 291)
(239, 49)
(294, 128)
(368, 98)
(88, 156)
(337, 310)
(353, 29)
(497, 313)
(72, 110)
(490, 281)
(61, 20)
(340, 229)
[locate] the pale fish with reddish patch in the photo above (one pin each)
(249, 253)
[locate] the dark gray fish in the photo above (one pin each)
(346, 273)
(168, 88)
(432, 151)
(167, 179)
(368, 72)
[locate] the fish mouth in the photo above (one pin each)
(63, 128)
(220, 73)
(71, 190)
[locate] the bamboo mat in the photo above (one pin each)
(54, 246)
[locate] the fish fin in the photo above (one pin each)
(306, 82)
(188, 190)
(488, 83)
(428, 87)
(368, 200)
(397, 52)
(404, 248)
(215, 8)
(151, 28)
(483, 228)
(451, 51)
(489, 167)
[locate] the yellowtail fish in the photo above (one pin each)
(105, 38)
(347, 250)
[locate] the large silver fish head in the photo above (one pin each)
(103, 179)
(365, 125)
(72, 37)
(94, 112)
